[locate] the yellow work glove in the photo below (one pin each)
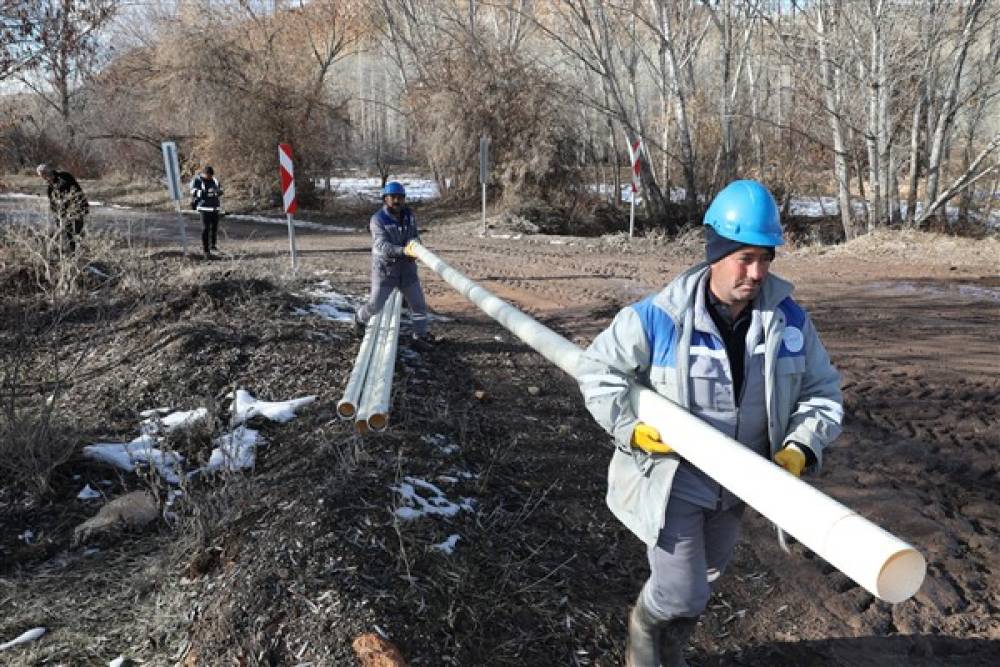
(647, 438)
(792, 459)
(410, 249)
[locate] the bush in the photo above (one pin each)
(504, 95)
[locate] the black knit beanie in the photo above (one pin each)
(717, 247)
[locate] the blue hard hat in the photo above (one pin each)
(393, 188)
(745, 211)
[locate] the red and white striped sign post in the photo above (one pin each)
(634, 150)
(287, 172)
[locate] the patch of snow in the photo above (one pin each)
(87, 493)
(335, 306)
(298, 224)
(448, 546)
(246, 407)
(20, 195)
(370, 189)
(969, 292)
(422, 498)
(234, 451)
(156, 421)
(23, 638)
(441, 441)
(141, 451)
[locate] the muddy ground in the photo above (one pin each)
(288, 564)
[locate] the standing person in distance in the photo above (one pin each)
(67, 202)
(394, 265)
(725, 341)
(205, 198)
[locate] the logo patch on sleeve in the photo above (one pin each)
(792, 338)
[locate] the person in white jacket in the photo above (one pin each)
(726, 341)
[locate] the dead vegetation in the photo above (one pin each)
(293, 561)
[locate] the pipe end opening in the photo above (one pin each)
(901, 576)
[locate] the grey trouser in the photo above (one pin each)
(403, 276)
(693, 549)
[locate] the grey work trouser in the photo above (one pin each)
(692, 550)
(401, 275)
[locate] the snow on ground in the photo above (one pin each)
(23, 638)
(334, 306)
(448, 546)
(161, 418)
(442, 442)
(421, 498)
(87, 493)
(805, 207)
(299, 224)
(370, 189)
(248, 407)
(234, 450)
(338, 307)
(137, 453)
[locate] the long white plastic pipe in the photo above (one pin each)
(886, 566)
(348, 405)
(376, 369)
(378, 410)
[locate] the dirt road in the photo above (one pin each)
(543, 573)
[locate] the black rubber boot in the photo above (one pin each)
(643, 637)
(674, 636)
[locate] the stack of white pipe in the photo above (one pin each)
(366, 398)
(374, 411)
(885, 565)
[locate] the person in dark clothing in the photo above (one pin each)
(67, 202)
(205, 196)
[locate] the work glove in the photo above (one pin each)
(647, 438)
(791, 458)
(410, 250)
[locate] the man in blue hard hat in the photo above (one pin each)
(726, 341)
(394, 266)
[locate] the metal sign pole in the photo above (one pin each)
(484, 157)
(173, 176)
(631, 216)
(291, 243)
(184, 229)
(286, 172)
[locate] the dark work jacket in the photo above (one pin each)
(390, 236)
(206, 192)
(66, 198)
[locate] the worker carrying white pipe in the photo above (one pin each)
(726, 341)
(394, 265)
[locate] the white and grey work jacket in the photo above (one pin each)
(651, 343)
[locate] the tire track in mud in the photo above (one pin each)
(919, 455)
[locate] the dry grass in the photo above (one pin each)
(913, 246)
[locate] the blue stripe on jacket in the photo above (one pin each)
(794, 317)
(659, 330)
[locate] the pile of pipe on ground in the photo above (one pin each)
(366, 398)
